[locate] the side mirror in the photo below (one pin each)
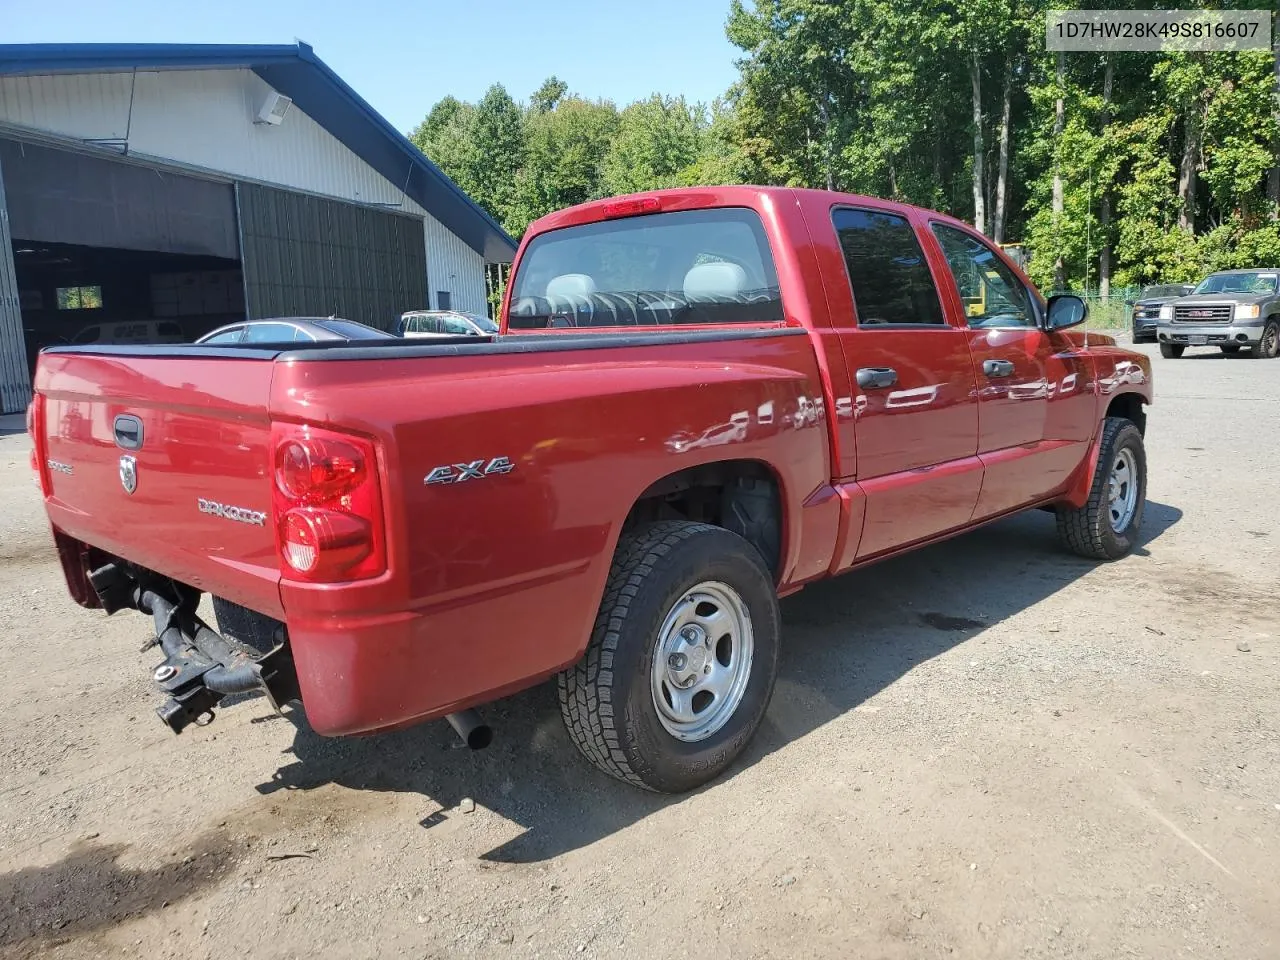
(1066, 310)
(1129, 302)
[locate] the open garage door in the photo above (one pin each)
(308, 256)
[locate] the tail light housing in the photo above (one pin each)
(35, 409)
(327, 502)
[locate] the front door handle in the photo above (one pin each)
(997, 368)
(877, 378)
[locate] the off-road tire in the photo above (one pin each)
(1268, 345)
(1087, 531)
(606, 698)
(1171, 351)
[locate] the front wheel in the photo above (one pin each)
(1268, 345)
(1171, 351)
(1106, 527)
(682, 661)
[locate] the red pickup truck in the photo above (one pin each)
(698, 401)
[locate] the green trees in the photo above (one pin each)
(1120, 168)
(522, 162)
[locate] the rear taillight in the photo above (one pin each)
(35, 416)
(31, 432)
(328, 505)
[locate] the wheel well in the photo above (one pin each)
(1129, 406)
(740, 495)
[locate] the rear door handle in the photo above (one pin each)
(997, 368)
(877, 378)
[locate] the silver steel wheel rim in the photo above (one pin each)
(702, 662)
(1122, 490)
(1269, 338)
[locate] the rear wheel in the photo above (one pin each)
(1106, 527)
(683, 659)
(1268, 345)
(1171, 351)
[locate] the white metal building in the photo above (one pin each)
(156, 191)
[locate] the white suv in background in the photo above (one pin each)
(445, 323)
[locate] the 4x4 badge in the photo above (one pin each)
(128, 473)
(475, 470)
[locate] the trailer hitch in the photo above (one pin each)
(200, 667)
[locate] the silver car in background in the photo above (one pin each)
(292, 330)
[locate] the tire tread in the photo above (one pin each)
(586, 689)
(1081, 530)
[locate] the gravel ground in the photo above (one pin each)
(985, 749)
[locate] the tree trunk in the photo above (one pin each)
(893, 182)
(1104, 216)
(1002, 172)
(1273, 176)
(979, 203)
(1059, 122)
(1191, 133)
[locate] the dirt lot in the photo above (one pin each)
(986, 749)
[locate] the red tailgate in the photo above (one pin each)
(200, 507)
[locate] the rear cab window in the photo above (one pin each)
(708, 266)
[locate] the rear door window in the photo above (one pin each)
(227, 336)
(269, 333)
(682, 267)
(892, 285)
(456, 325)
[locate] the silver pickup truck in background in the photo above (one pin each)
(1232, 310)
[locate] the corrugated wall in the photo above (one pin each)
(15, 385)
(204, 118)
(198, 117)
(308, 256)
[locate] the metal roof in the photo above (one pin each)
(295, 71)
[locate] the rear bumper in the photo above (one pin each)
(382, 672)
(357, 672)
(1214, 334)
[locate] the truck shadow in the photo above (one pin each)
(845, 640)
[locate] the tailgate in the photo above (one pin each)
(164, 461)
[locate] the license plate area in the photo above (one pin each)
(1197, 339)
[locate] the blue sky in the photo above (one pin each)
(402, 56)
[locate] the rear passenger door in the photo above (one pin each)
(915, 405)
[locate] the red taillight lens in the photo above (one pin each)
(328, 505)
(314, 470)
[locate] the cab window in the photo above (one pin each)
(891, 282)
(991, 293)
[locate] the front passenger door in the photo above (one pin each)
(1035, 395)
